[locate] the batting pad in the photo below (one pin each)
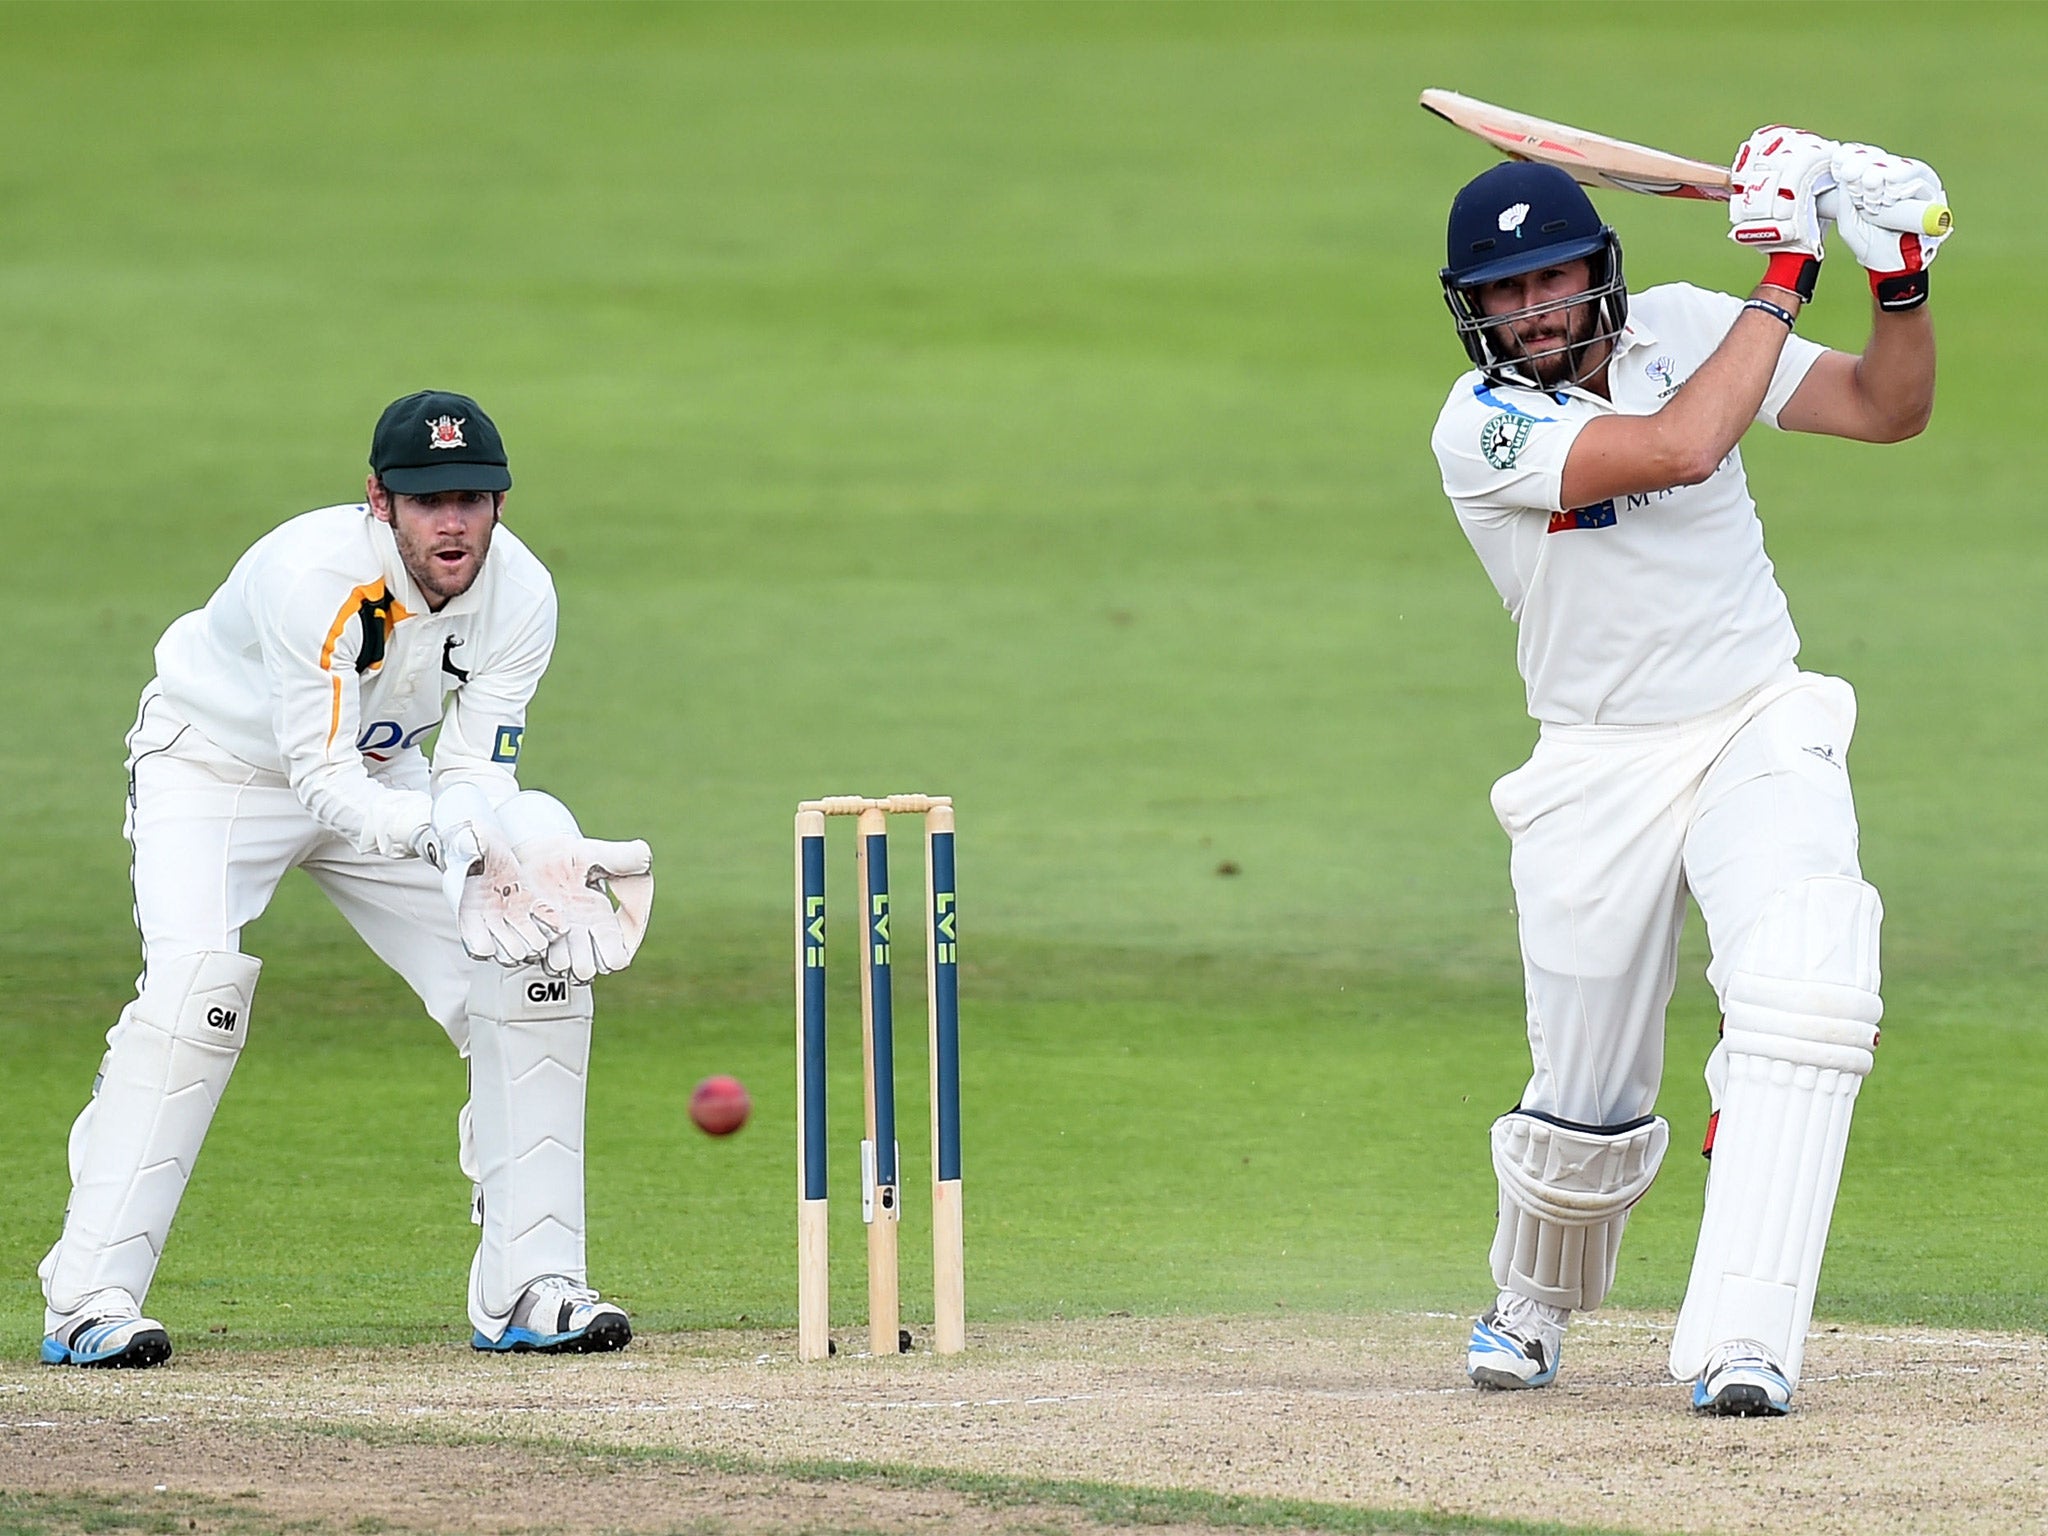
(1802, 1013)
(134, 1145)
(1565, 1193)
(529, 1052)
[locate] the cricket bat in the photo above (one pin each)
(1595, 160)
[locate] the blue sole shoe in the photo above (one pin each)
(1742, 1381)
(1504, 1361)
(607, 1333)
(557, 1316)
(132, 1343)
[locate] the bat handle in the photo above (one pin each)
(1907, 218)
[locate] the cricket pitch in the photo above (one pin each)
(1894, 1430)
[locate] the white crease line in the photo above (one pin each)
(897, 1405)
(1823, 1334)
(989, 1402)
(245, 1406)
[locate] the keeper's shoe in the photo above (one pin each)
(110, 1332)
(1510, 1352)
(1742, 1380)
(556, 1316)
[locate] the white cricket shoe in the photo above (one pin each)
(557, 1316)
(1515, 1344)
(108, 1331)
(1742, 1379)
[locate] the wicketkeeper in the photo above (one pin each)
(283, 729)
(1591, 456)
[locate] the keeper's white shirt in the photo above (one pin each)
(318, 660)
(1642, 610)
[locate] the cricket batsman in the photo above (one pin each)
(1592, 457)
(283, 729)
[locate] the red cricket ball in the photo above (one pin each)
(719, 1105)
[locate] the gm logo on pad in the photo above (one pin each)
(506, 748)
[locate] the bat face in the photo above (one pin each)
(1591, 159)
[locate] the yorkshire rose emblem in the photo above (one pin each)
(1511, 219)
(446, 432)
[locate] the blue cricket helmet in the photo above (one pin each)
(1515, 218)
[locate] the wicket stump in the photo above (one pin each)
(880, 1202)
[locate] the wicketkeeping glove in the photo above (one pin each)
(1868, 181)
(602, 892)
(496, 911)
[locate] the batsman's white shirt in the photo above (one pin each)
(1642, 610)
(318, 660)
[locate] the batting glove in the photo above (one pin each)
(1778, 175)
(1870, 181)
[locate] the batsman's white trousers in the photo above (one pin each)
(212, 837)
(1611, 827)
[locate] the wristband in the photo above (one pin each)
(1793, 271)
(1772, 310)
(1899, 291)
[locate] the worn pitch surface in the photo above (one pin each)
(1896, 1430)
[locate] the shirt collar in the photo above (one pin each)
(1633, 334)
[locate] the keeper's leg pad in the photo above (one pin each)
(1565, 1193)
(134, 1145)
(529, 1053)
(1802, 1012)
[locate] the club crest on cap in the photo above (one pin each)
(446, 432)
(1511, 219)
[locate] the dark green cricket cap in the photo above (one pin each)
(438, 441)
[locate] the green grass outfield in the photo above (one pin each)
(1025, 403)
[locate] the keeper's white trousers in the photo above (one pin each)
(1611, 826)
(212, 837)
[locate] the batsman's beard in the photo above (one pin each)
(1571, 359)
